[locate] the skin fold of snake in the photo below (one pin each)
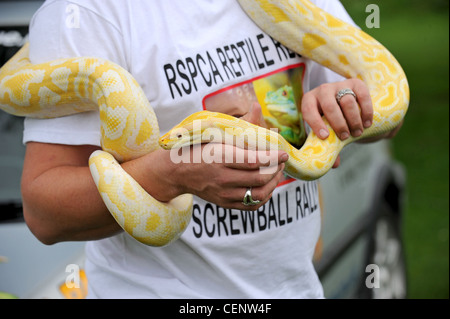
(129, 128)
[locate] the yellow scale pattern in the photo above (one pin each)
(129, 126)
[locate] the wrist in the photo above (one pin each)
(157, 174)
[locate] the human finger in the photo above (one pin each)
(252, 178)
(350, 110)
(311, 115)
(365, 102)
(255, 115)
(242, 159)
(261, 194)
(233, 186)
(332, 111)
(337, 163)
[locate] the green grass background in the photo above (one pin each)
(417, 33)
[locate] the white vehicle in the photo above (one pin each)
(359, 254)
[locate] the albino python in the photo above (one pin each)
(129, 128)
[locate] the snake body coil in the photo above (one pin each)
(129, 127)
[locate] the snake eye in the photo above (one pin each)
(284, 93)
(179, 136)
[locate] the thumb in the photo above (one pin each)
(254, 115)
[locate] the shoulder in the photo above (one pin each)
(63, 28)
(72, 13)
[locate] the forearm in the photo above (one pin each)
(61, 201)
(63, 204)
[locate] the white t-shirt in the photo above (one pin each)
(183, 53)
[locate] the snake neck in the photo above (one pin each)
(310, 162)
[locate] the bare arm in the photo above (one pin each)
(59, 196)
(61, 201)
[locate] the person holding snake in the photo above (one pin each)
(247, 232)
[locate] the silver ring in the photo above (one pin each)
(248, 200)
(343, 93)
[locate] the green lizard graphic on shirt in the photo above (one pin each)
(284, 114)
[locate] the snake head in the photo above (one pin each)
(179, 137)
(188, 132)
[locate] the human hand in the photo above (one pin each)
(225, 179)
(349, 117)
(217, 172)
(254, 115)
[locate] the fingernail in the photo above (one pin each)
(323, 133)
(367, 124)
(284, 157)
(344, 136)
(357, 133)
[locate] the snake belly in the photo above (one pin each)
(129, 127)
